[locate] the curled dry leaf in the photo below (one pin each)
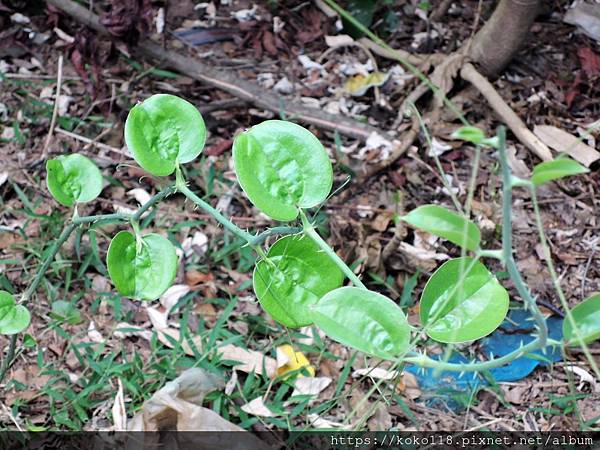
(173, 294)
(319, 422)
(118, 409)
(249, 360)
(584, 378)
(421, 258)
(124, 330)
(310, 385)
(359, 84)
(178, 406)
(141, 195)
(232, 383)
(93, 334)
(517, 166)
(377, 373)
(258, 408)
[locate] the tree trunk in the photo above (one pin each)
(502, 36)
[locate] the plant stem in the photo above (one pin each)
(425, 361)
(31, 289)
(181, 186)
(541, 341)
(124, 216)
(228, 224)
(507, 247)
(497, 254)
(252, 240)
(310, 231)
(556, 281)
(49, 258)
(259, 239)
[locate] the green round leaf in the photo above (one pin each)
(143, 269)
(445, 224)
(552, 170)
(470, 311)
(73, 179)
(587, 319)
(13, 318)
(364, 320)
(163, 131)
(282, 167)
(295, 276)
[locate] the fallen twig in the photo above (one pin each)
(227, 82)
(507, 115)
(91, 142)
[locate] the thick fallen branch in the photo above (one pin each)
(506, 114)
(227, 82)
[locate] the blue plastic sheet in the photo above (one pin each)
(516, 330)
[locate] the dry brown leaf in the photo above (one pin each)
(564, 142)
(232, 383)
(517, 166)
(516, 395)
(381, 420)
(584, 378)
(409, 386)
(132, 331)
(119, 413)
(257, 407)
(381, 222)
(421, 258)
(173, 294)
(194, 277)
(376, 373)
(318, 422)
(444, 74)
(93, 334)
(310, 385)
(249, 360)
(178, 406)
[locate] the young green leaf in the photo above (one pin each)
(163, 131)
(446, 224)
(364, 320)
(293, 278)
(13, 318)
(142, 269)
(587, 319)
(558, 168)
(462, 301)
(63, 310)
(282, 167)
(73, 179)
(469, 134)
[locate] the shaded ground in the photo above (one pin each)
(66, 376)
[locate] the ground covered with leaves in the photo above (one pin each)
(86, 343)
